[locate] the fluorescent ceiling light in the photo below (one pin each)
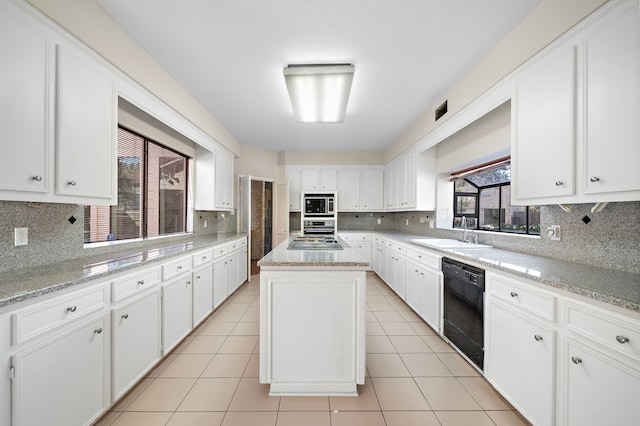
(319, 93)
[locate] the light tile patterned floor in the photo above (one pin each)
(413, 377)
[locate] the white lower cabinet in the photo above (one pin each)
(233, 260)
(219, 281)
(202, 293)
(243, 258)
(176, 311)
(63, 380)
(135, 340)
(520, 361)
(601, 389)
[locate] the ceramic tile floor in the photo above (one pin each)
(413, 377)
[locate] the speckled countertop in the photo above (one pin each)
(282, 257)
(611, 286)
(24, 284)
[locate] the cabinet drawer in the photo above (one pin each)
(362, 237)
(242, 242)
(38, 319)
(233, 246)
(609, 328)
(427, 259)
(397, 247)
(133, 283)
(176, 267)
(348, 237)
(219, 251)
(523, 295)
(202, 257)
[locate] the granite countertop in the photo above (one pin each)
(23, 284)
(282, 257)
(611, 286)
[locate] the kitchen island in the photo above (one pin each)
(312, 320)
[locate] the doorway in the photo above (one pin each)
(261, 221)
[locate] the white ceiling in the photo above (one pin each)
(229, 54)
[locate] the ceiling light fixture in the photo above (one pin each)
(319, 93)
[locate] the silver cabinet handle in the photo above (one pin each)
(72, 183)
(538, 337)
(514, 294)
(179, 267)
(559, 183)
(37, 178)
(622, 339)
(141, 282)
(198, 277)
(204, 257)
(188, 282)
(125, 316)
(594, 179)
(576, 360)
(72, 308)
(98, 330)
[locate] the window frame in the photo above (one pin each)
(144, 219)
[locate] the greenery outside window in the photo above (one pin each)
(482, 195)
(152, 193)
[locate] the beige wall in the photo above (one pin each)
(91, 24)
(549, 20)
(257, 162)
(367, 158)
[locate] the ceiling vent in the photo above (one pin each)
(441, 110)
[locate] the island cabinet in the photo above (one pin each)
(135, 328)
(600, 366)
(520, 345)
(574, 115)
(60, 363)
(312, 330)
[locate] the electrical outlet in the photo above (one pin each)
(554, 232)
(379, 221)
(406, 222)
(21, 236)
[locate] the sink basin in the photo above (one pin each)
(444, 243)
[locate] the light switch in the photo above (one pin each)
(21, 236)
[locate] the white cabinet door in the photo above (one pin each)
(407, 183)
(223, 180)
(294, 177)
(202, 293)
(233, 260)
(86, 129)
(520, 362)
(136, 341)
(328, 180)
(600, 389)
(431, 297)
(364, 250)
(63, 381)
(220, 291)
(176, 312)
(243, 257)
(413, 285)
(612, 96)
(310, 180)
(371, 189)
(25, 95)
(349, 190)
(204, 176)
(543, 118)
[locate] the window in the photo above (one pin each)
(152, 193)
(482, 195)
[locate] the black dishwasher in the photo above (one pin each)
(463, 307)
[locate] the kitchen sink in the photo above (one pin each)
(316, 242)
(444, 243)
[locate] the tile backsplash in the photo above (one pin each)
(610, 239)
(53, 238)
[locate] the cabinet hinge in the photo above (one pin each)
(12, 373)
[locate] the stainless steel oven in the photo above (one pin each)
(463, 308)
(318, 226)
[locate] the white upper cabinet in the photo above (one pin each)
(213, 180)
(294, 178)
(410, 181)
(612, 105)
(25, 94)
(575, 116)
(319, 179)
(543, 118)
(360, 189)
(86, 128)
